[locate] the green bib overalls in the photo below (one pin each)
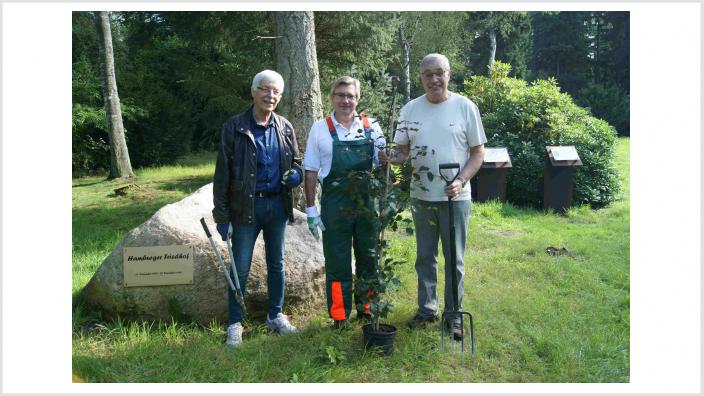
(347, 210)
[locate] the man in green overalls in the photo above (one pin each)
(339, 149)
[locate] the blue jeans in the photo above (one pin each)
(269, 216)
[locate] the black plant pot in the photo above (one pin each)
(383, 338)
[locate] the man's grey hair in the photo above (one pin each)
(436, 58)
(346, 80)
(267, 76)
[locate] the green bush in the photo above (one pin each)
(90, 140)
(608, 103)
(527, 117)
(162, 134)
(91, 151)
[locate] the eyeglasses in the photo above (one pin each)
(430, 74)
(344, 96)
(274, 91)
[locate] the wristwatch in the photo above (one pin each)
(462, 180)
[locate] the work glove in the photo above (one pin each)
(314, 221)
(291, 178)
(222, 230)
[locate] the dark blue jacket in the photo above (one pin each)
(235, 178)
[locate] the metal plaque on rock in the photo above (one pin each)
(158, 265)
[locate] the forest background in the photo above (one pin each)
(182, 74)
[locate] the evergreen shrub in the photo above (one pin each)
(89, 137)
(527, 117)
(89, 141)
(607, 102)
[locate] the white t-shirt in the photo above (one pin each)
(438, 133)
(318, 155)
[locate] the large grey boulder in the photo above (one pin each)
(205, 300)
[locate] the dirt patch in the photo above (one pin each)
(76, 379)
(134, 191)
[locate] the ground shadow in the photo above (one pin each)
(187, 185)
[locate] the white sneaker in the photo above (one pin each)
(280, 324)
(234, 335)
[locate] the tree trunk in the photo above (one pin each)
(297, 62)
(491, 33)
(120, 166)
(406, 74)
(597, 59)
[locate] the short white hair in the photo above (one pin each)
(436, 58)
(267, 76)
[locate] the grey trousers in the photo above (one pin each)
(432, 221)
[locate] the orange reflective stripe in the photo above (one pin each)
(337, 310)
(331, 126)
(365, 120)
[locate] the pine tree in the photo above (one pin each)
(561, 48)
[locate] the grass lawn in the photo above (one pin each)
(538, 317)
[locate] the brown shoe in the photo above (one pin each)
(421, 322)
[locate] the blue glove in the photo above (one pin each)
(222, 230)
(291, 178)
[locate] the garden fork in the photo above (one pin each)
(449, 317)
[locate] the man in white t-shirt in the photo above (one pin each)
(340, 146)
(436, 128)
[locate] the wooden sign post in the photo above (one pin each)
(557, 177)
(490, 181)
